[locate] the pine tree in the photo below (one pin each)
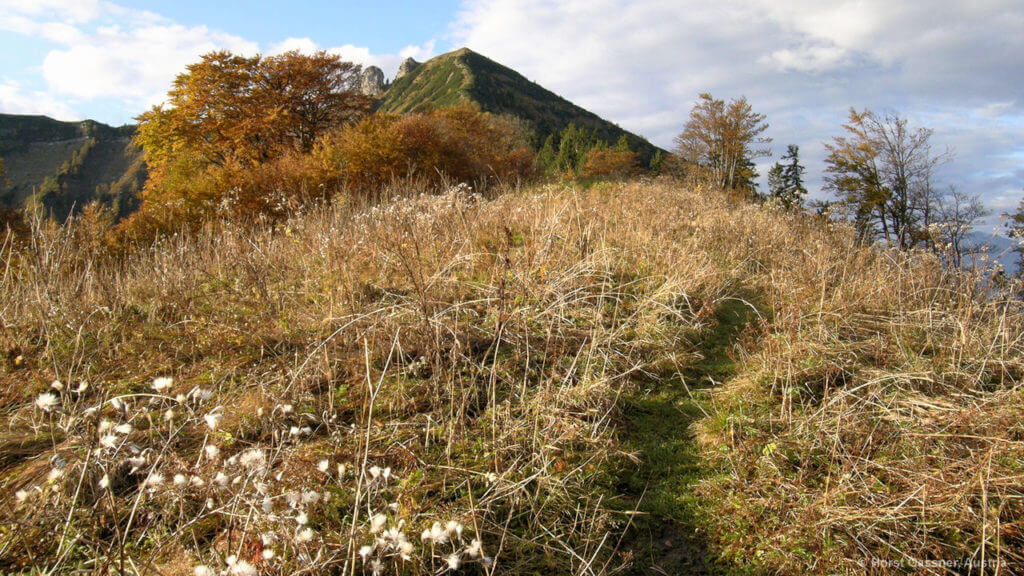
(548, 154)
(574, 144)
(786, 179)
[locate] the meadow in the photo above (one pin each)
(633, 377)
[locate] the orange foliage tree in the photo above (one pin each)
(454, 144)
(603, 162)
(236, 132)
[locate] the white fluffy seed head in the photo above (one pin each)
(304, 535)
(46, 401)
(377, 523)
(213, 420)
(253, 459)
(406, 549)
(365, 551)
(243, 568)
(212, 452)
(161, 384)
(454, 529)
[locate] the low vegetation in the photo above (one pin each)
(530, 382)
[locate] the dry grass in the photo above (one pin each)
(460, 361)
(877, 429)
(476, 348)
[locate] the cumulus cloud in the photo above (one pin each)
(950, 65)
(302, 45)
(15, 99)
(106, 52)
(358, 54)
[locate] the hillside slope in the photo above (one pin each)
(465, 76)
(628, 379)
(62, 166)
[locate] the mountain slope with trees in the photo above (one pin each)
(59, 167)
(465, 76)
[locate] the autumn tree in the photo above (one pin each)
(1015, 230)
(228, 108)
(604, 162)
(786, 180)
(237, 131)
(956, 212)
(882, 170)
(451, 144)
(723, 139)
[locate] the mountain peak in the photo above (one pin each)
(464, 76)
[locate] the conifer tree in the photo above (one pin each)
(786, 179)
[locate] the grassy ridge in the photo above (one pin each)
(635, 377)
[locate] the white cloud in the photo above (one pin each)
(79, 11)
(808, 58)
(136, 65)
(302, 45)
(108, 51)
(803, 63)
(14, 99)
(387, 62)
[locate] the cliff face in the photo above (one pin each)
(60, 167)
(371, 81)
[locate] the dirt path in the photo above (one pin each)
(665, 536)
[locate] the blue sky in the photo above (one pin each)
(949, 65)
(386, 26)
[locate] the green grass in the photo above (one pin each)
(657, 415)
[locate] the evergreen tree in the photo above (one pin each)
(548, 154)
(657, 162)
(573, 147)
(623, 144)
(786, 179)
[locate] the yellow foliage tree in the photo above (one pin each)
(454, 144)
(236, 132)
(722, 140)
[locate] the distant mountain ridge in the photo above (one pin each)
(466, 76)
(59, 167)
